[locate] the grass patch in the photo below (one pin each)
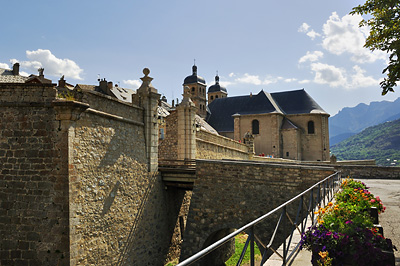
(240, 240)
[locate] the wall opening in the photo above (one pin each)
(310, 127)
(255, 127)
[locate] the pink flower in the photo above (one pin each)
(372, 201)
(378, 199)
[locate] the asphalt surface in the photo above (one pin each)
(389, 192)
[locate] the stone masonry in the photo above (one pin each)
(78, 185)
(228, 195)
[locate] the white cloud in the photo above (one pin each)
(304, 27)
(328, 74)
(309, 32)
(338, 77)
(232, 75)
(311, 56)
(358, 79)
(290, 80)
(312, 34)
(226, 83)
(4, 65)
(343, 35)
(132, 83)
(53, 66)
(304, 81)
(250, 79)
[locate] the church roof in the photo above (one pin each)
(290, 102)
(297, 102)
(194, 78)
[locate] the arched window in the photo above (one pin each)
(216, 96)
(310, 127)
(212, 97)
(255, 127)
(193, 89)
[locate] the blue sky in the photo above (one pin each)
(254, 45)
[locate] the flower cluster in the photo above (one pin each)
(345, 230)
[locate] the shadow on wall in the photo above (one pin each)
(110, 199)
(222, 254)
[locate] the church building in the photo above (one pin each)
(287, 124)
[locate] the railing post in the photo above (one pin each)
(252, 246)
(284, 235)
(302, 213)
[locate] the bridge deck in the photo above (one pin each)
(180, 174)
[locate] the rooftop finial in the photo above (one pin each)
(194, 68)
(217, 78)
(146, 71)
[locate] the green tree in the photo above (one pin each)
(384, 23)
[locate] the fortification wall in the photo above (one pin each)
(244, 191)
(211, 146)
(74, 183)
(168, 147)
(33, 178)
(368, 171)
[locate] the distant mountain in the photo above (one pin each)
(351, 120)
(339, 138)
(380, 142)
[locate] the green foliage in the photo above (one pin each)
(384, 24)
(379, 142)
(67, 95)
(240, 241)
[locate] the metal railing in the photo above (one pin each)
(319, 195)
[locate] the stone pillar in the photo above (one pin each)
(249, 141)
(236, 127)
(186, 127)
(148, 97)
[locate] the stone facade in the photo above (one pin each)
(244, 191)
(211, 146)
(168, 147)
(34, 213)
(293, 143)
(75, 182)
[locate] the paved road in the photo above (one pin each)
(389, 192)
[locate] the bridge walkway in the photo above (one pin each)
(178, 173)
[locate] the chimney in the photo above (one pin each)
(61, 82)
(251, 94)
(15, 69)
(173, 103)
(103, 85)
(110, 85)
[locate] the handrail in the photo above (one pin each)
(333, 186)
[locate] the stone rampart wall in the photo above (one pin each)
(227, 195)
(211, 146)
(168, 147)
(111, 105)
(33, 178)
(74, 182)
(367, 171)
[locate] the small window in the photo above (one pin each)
(216, 96)
(310, 127)
(193, 89)
(212, 97)
(287, 154)
(162, 133)
(255, 127)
